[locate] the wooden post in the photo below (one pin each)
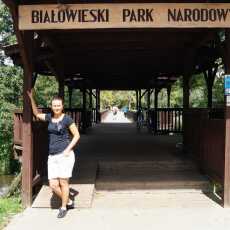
(27, 136)
(70, 90)
(84, 119)
(90, 99)
(209, 79)
(156, 92)
(155, 121)
(186, 79)
(148, 99)
(210, 82)
(25, 42)
(226, 198)
(148, 109)
(169, 95)
(139, 102)
(97, 106)
(96, 102)
(91, 106)
(61, 87)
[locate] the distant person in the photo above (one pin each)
(61, 156)
(115, 110)
(125, 110)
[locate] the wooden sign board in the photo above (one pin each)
(118, 15)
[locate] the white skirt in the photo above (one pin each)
(60, 166)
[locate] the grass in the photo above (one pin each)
(8, 208)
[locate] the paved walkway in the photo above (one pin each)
(125, 218)
(162, 211)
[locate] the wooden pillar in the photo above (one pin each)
(97, 106)
(61, 87)
(209, 78)
(226, 198)
(156, 92)
(148, 99)
(169, 95)
(91, 106)
(137, 100)
(25, 42)
(186, 79)
(155, 121)
(27, 135)
(210, 82)
(148, 109)
(185, 120)
(70, 90)
(90, 99)
(189, 68)
(84, 118)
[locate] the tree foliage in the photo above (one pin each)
(118, 98)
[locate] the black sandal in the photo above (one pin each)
(62, 213)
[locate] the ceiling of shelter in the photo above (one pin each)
(121, 58)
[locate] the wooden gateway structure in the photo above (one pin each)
(131, 45)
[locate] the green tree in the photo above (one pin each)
(10, 93)
(10, 98)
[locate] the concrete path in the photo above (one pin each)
(215, 218)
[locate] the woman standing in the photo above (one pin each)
(61, 156)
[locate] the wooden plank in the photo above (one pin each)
(117, 15)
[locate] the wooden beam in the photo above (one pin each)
(121, 15)
(10, 3)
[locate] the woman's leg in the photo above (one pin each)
(55, 186)
(64, 184)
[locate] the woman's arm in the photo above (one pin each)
(38, 115)
(76, 136)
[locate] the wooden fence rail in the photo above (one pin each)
(166, 120)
